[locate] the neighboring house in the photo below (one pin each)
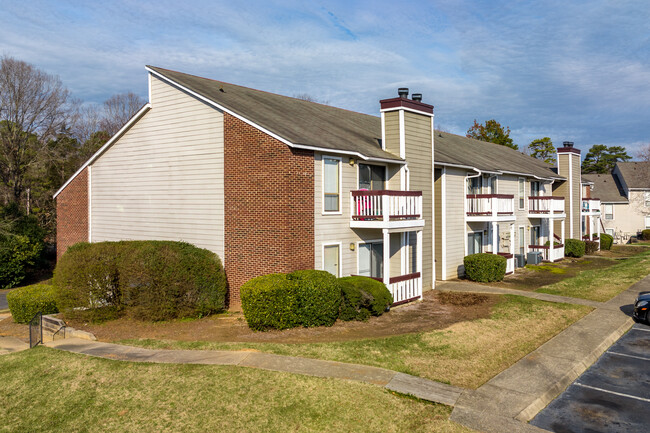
(625, 199)
(274, 184)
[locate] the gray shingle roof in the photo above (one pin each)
(321, 126)
(606, 187)
(635, 174)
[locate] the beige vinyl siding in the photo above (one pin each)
(455, 221)
(391, 128)
(164, 178)
(577, 198)
(438, 223)
(419, 156)
(334, 228)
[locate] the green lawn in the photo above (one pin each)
(45, 390)
(466, 354)
(603, 284)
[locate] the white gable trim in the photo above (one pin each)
(108, 144)
(264, 130)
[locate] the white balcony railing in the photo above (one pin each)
(490, 206)
(591, 206)
(386, 205)
(510, 262)
(405, 288)
(545, 205)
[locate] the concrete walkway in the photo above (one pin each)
(11, 345)
(465, 286)
(392, 380)
(512, 398)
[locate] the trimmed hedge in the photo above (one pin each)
(606, 241)
(645, 234)
(282, 301)
(26, 301)
(591, 247)
(363, 297)
(148, 280)
(574, 248)
(485, 267)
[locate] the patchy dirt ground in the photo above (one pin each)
(620, 251)
(436, 311)
(532, 278)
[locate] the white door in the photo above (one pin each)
(331, 259)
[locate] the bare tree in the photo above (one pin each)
(34, 106)
(118, 109)
(644, 154)
(307, 97)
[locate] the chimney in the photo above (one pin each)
(403, 92)
(417, 97)
(568, 166)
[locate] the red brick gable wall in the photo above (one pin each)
(269, 206)
(72, 214)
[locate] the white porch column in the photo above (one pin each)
(494, 238)
(418, 263)
(562, 229)
(512, 239)
(386, 257)
(598, 227)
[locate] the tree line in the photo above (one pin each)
(599, 159)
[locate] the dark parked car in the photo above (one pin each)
(641, 306)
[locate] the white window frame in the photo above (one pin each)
(474, 233)
(610, 232)
(646, 198)
(539, 230)
(647, 221)
(605, 213)
(340, 166)
(373, 163)
(332, 244)
(368, 241)
(521, 229)
(520, 194)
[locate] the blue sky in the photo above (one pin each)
(571, 70)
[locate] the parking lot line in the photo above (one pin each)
(612, 392)
(640, 329)
(629, 356)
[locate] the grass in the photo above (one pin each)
(603, 284)
(49, 390)
(466, 354)
(549, 267)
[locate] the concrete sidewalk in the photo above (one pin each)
(512, 398)
(392, 380)
(11, 345)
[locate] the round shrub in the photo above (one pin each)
(645, 234)
(319, 296)
(148, 280)
(574, 248)
(281, 301)
(17, 252)
(26, 301)
(591, 247)
(606, 241)
(363, 297)
(485, 267)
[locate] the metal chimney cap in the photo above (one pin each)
(417, 97)
(403, 92)
(567, 143)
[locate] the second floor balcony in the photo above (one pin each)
(386, 209)
(591, 206)
(546, 207)
(490, 207)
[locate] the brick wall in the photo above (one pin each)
(72, 214)
(269, 202)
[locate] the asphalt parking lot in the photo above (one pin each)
(3, 301)
(613, 395)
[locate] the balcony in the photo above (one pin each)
(490, 207)
(385, 209)
(591, 206)
(546, 207)
(510, 262)
(550, 254)
(404, 288)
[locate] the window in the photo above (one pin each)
(534, 189)
(534, 235)
(372, 177)
(493, 185)
(522, 192)
(331, 185)
(609, 211)
(474, 243)
(522, 240)
(371, 259)
(647, 221)
(474, 185)
(610, 232)
(647, 198)
(331, 259)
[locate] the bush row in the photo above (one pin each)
(310, 298)
(591, 247)
(26, 301)
(645, 235)
(574, 248)
(485, 267)
(149, 280)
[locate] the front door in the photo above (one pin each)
(371, 259)
(331, 259)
